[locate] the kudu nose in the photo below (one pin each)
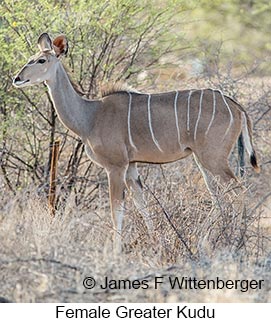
(17, 79)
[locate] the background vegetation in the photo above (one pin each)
(154, 46)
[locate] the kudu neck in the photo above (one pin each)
(74, 111)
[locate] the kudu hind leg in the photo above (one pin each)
(135, 187)
(212, 168)
(207, 177)
(232, 197)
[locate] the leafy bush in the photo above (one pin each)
(109, 40)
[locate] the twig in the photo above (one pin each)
(53, 171)
(33, 259)
(167, 216)
(262, 200)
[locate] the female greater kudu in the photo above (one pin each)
(125, 127)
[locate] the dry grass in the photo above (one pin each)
(44, 260)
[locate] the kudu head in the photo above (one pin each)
(42, 66)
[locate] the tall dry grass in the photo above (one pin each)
(45, 259)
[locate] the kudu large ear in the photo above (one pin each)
(45, 42)
(60, 44)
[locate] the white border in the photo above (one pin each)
(224, 312)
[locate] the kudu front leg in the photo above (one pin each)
(116, 178)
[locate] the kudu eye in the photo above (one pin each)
(41, 61)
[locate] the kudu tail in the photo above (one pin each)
(241, 155)
(245, 139)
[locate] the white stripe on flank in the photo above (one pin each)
(188, 111)
(199, 114)
(231, 116)
(213, 115)
(150, 126)
(129, 121)
(176, 118)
